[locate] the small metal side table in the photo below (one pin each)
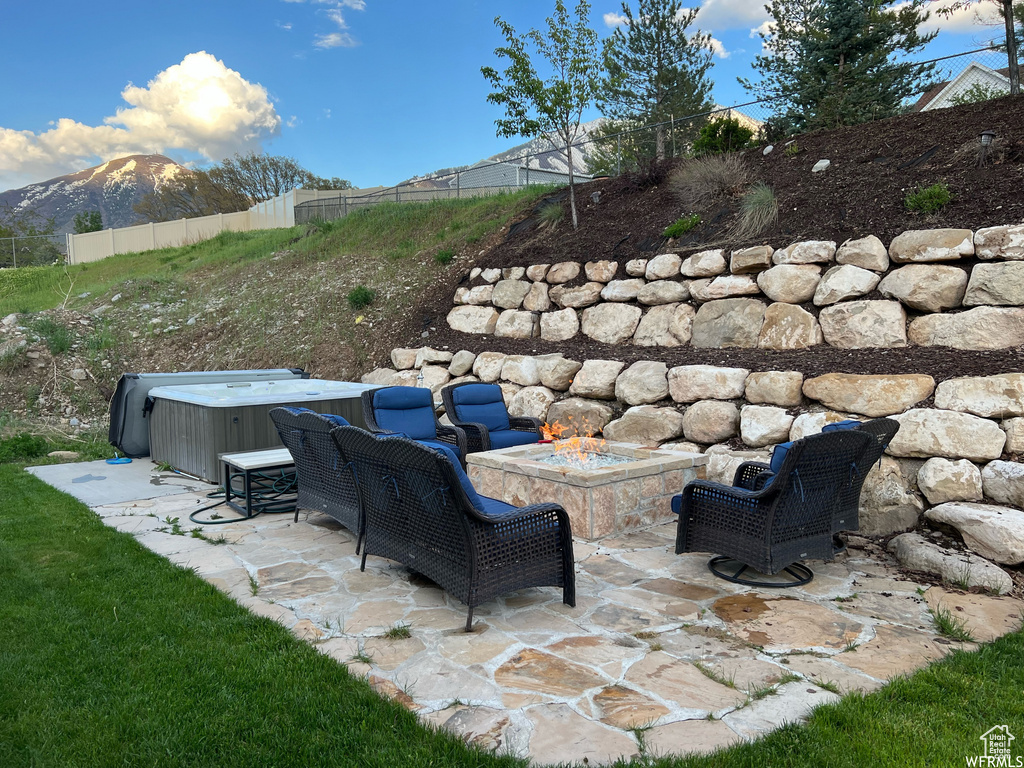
(245, 464)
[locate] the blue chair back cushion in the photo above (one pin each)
(409, 410)
(839, 426)
(487, 506)
(506, 438)
(481, 404)
(336, 420)
(779, 456)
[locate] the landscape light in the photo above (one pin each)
(986, 137)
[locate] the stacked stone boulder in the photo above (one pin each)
(854, 295)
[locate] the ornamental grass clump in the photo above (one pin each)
(360, 297)
(928, 199)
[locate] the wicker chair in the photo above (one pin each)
(479, 410)
(788, 519)
(325, 482)
(422, 512)
(846, 516)
(409, 412)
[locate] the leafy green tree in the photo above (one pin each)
(26, 238)
(88, 221)
(655, 69)
(829, 63)
(1012, 15)
(724, 134)
(190, 195)
(551, 106)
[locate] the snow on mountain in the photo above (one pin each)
(112, 188)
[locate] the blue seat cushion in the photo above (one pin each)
(409, 410)
(492, 507)
(481, 404)
(506, 438)
(336, 420)
(677, 503)
(839, 426)
(779, 456)
(482, 504)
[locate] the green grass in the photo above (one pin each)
(951, 626)
(397, 632)
(681, 226)
(57, 337)
(928, 199)
(361, 297)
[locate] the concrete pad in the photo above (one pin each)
(96, 483)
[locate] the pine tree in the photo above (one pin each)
(656, 71)
(830, 63)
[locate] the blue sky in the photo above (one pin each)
(374, 91)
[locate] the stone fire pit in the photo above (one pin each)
(601, 501)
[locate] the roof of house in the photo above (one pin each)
(936, 90)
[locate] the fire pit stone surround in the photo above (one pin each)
(600, 502)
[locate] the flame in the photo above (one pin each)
(573, 442)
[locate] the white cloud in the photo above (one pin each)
(730, 14)
(963, 20)
(292, 121)
(339, 38)
(285, 25)
(612, 20)
(719, 49)
(199, 106)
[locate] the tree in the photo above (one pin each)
(655, 70)
(830, 63)
(553, 106)
(1012, 14)
(190, 195)
(723, 134)
(26, 238)
(88, 221)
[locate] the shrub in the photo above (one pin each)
(13, 359)
(792, 150)
(681, 226)
(23, 447)
(723, 134)
(759, 210)
(445, 256)
(56, 336)
(360, 297)
(977, 92)
(701, 181)
(928, 199)
(551, 214)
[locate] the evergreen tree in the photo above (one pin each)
(88, 221)
(830, 63)
(655, 70)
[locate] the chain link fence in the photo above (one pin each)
(32, 251)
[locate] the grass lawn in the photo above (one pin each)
(110, 655)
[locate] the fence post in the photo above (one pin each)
(527, 170)
(345, 199)
(458, 184)
(618, 155)
(672, 118)
(14, 254)
(113, 248)
(152, 235)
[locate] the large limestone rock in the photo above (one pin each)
(844, 282)
(663, 292)
(995, 533)
(681, 324)
(479, 296)
(581, 296)
(942, 480)
(762, 425)
(537, 272)
(887, 504)
(811, 423)
(508, 391)
(866, 252)
(563, 272)
(403, 359)
(664, 266)
(513, 324)
(643, 382)
(431, 356)
(790, 283)
(926, 287)
(981, 328)
(636, 267)
(864, 324)
(513, 273)
(998, 396)
(723, 287)
(723, 462)
(473, 319)
(533, 402)
(556, 372)
(1004, 482)
(728, 323)
(996, 285)
(647, 425)
(521, 369)
(537, 299)
(509, 294)
(491, 275)
(787, 326)
(690, 383)
(869, 395)
(435, 377)
(596, 379)
(704, 264)
(560, 325)
(783, 388)
(1005, 242)
(487, 366)
(601, 271)
(927, 432)
(462, 363)
(623, 290)
(807, 252)
(655, 326)
(917, 245)
(1014, 429)
(711, 421)
(918, 554)
(580, 416)
(385, 377)
(749, 260)
(611, 323)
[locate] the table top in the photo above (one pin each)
(272, 457)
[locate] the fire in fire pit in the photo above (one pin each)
(578, 450)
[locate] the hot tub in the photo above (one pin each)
(191, 425)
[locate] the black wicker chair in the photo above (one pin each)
(326, 483)
(846, 516)
(787, 520)
(422, 512)
(479, 410)
(409, 412)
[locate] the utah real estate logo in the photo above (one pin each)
(998, 741)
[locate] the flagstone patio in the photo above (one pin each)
(656, 645)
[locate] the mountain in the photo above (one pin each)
(111, 188)
(542, 154)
